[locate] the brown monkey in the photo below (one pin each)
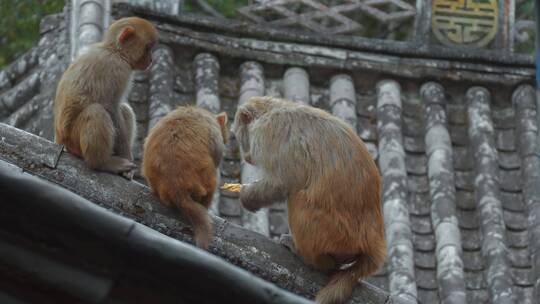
(333, 187)
(181, 155)
(90, 119)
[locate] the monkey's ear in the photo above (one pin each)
(246, 116)
(126, 34)
(222, 119)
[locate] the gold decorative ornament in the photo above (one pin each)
(470, 23)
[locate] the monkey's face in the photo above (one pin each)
(222, 122)
(145, 59)
(240, 129)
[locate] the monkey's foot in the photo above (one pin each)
(118, 165)
(128, 175)
(287, 241)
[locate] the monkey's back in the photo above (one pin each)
(178, 154)
(94, 77)
(335, 186)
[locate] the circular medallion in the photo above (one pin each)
(465, 22)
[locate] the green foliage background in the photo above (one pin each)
(19, 25)
(19, 21)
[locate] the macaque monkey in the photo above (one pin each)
(89, 118)
(333, 187)
(181, 155)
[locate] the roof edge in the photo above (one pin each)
(250, 250)
(396, 48)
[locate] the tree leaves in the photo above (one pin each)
(19, 25)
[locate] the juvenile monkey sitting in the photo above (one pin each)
(333, 187)
(89, 118)
(181, 154)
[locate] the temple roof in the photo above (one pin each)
(454, 138)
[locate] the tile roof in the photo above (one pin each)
(71, 250)
(458, 156)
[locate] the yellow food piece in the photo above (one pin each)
(232, 187)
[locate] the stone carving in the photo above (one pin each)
(465, 22)
(326, 19)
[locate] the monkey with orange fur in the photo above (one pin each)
(90, 119)
(181, 155)
(332, 184)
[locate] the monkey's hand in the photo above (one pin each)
(288, 241)
(249, 197)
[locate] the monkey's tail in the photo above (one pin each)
(342, 283)
(200, 220)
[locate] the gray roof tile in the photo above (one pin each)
(475, 280)
(416, 164)
(494, 250)
(468, 219)
(503, 118)
(473, 260)
(505, 140)
(425, 259)
(457, 114)
(494, 202)
(477, 296)
(465, 199)
(515, 220)
(229, 207)
(458, 134)
(421, 224)
(462, 159)
(392, 165)
(418, 183)
(426, 278)
(520, 258)
(509, 160)
(424, 242)
(517, 239)
(444, 218)
(419, 203)
(524, 295)
(428, 296)
(471, 241)
(413, 144)
(510, 180)
(464, 180)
